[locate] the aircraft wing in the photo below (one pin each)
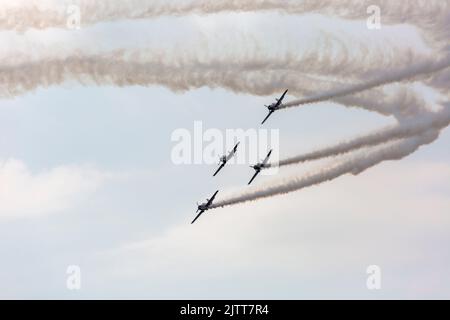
(220, 168)
(198, 216)
(267, 157)
(254, 176)
(210, 201)
(232, 152)
(265, 119)
(282, 97)
(212, 198)
(279, 101)
(235, 148)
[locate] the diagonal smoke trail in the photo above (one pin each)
(117, 69)
(355, 165)
(406, 129)
(386, 77)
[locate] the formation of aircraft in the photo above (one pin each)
(225, 158)
(274, 106)
(258, 167)
(204, 206)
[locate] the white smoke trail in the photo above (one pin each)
(125, 68)
(355, 165)
(420, 69)
(328, 55)
(406, 129)
(22, 14)
(118, 69)
(186, 72)
(249, 72)
(401, 102)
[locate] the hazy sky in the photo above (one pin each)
(86, 179)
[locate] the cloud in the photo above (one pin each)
(318, 245)
(24, 193)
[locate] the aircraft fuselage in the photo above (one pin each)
(274, 106)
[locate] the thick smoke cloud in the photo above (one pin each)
(186, 72)
(385, 77)
(354, 165)
(313, 76)
(406, 129)
(431, 16)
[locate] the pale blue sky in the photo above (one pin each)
(127, 226)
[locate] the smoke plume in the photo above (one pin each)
(431, 16)
(408, 128)
(186, 72)
(354, 165)
(385, 77)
